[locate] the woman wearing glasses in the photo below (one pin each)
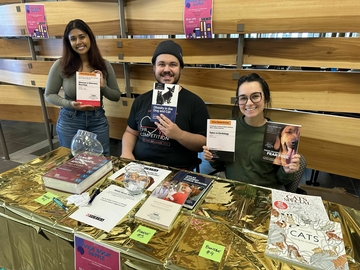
(253, 96)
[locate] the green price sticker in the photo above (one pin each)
(46, 198)
(212, 251)
(143, 234)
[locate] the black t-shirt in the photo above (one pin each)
(154, 146)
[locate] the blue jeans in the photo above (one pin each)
(71, 120)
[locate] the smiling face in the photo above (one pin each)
(167, 69)
(79, 41)
(251, 109)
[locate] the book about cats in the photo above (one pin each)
(164, 101)
(281, 142)
(300, 233)
(78, 173)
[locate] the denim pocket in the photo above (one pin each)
(67, 114)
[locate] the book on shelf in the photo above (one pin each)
(78, 173)
(281, 142)
(300, 233)
(199, 185)
(155, 175)
(220, 138)
(163, 205)
(88, 88)
(164, 101)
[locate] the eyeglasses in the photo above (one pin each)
(255, 97)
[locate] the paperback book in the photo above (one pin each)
(163, 205)
(199, 185)
(155, 175)
(78, 173)
(88, 88)
(164, 101)
(281, 142)
(220, 139)
(301, 233)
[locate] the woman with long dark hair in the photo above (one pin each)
(80, 53)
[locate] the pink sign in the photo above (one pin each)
(198, 18)
(36, 21)
(91, 255)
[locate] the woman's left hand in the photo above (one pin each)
(102, 83)
(294, 165)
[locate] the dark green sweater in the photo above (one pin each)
(248, 166)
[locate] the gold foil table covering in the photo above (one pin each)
(232, 214)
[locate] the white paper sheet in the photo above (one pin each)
(108, 208)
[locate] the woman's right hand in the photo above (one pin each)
(78, 106)
(207, 154)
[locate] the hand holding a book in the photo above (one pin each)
(208, 156)
(102, 83)
(77, 106)
(166, 126)
(294, 165)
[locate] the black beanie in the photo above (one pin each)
(168, 47)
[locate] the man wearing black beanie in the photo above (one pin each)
(165, 142)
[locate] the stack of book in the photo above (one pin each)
(78, 173)
(165, 202)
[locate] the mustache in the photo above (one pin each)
(165, 73)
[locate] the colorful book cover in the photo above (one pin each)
(199, 185)
(301, 233)
(164, 101)
(94, 255)
(198, 19)
(155, 175)
(281, 142)
(78, 173)
(36, 21)
(220, 139)
(163, 205)
(88, 88)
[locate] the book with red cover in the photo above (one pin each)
(78, 173)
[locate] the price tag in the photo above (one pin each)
(143, 234)
(212, 251)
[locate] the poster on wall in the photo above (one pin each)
(198, 19)
(95, 256)
(36, 21)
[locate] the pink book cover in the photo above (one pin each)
(198, 19)
(91, 255)
(36, 21)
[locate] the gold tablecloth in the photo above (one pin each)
(232, 214)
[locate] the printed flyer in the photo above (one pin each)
(198, 19)
(92, 255)
(36, 21)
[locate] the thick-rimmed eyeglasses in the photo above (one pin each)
(255, 97)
